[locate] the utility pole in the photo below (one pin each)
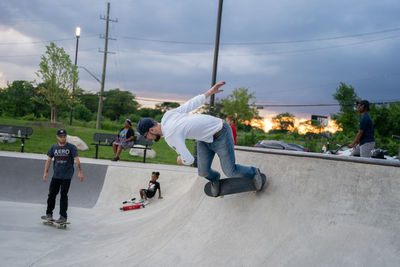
(214, 73)
(103, 76)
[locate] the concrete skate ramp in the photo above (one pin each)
(21, 180)
(316, 211)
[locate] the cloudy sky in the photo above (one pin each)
(285, 52)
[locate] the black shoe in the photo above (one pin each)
(115, 159)
(48, 217)
(215, 188)
(62, 219)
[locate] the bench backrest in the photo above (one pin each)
(139, 140)
(103, 137)
(13, 129)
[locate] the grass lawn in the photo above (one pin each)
(44, 135)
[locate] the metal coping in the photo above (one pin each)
(382, 162)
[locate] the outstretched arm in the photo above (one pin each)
(215, 89)
(199, 100)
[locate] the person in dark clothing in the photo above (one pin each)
(364, 142)
(64, 155)
(151, 189)
(124, 139)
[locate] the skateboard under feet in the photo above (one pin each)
(62, 225)
(234, 185)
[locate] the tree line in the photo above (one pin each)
(51, 97)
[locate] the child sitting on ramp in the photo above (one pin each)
(151, 189)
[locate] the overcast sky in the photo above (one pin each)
(285, 52)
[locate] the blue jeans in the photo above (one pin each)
(224, 146)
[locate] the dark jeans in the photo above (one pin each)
(55, 186)
(224, 147)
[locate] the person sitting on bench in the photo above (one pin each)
(124, 139)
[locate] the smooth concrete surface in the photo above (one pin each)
(23, 182)
(315, 212)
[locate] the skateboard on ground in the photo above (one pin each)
(132, 207)
(134, 204)
(234, 185)
(53, 222)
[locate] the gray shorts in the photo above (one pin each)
(364, 150)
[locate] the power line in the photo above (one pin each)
(45, 41)
(264, 53)
(266, 42)
(321, 105)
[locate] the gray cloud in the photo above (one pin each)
(290, 72)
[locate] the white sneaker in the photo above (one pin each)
(145, 202)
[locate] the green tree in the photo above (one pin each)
(165, 106)
(348, 117)
(42, 108)
(57, 74)
(82, 113)
(238, 105)
(118, 103)
(3, 101)
(284, 122)
(149, 112)
(386, 123)
(218, 110)
(19, 94)
(89, 100)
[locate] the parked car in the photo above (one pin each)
(305, 149)
(342, 150)
(274, 144)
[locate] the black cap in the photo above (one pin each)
(365, 103)
(144, 125)
(61, 132)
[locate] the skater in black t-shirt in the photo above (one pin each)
(151, 189)
(64, 155)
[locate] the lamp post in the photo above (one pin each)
(77, 34)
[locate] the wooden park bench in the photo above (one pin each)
(19, 132)
(106, 139)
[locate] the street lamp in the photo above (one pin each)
(77, 35)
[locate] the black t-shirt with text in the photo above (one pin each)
(63, 160)
(152, 188)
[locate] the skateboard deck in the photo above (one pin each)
(234, 185)
(53, 222)
(133, 207)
